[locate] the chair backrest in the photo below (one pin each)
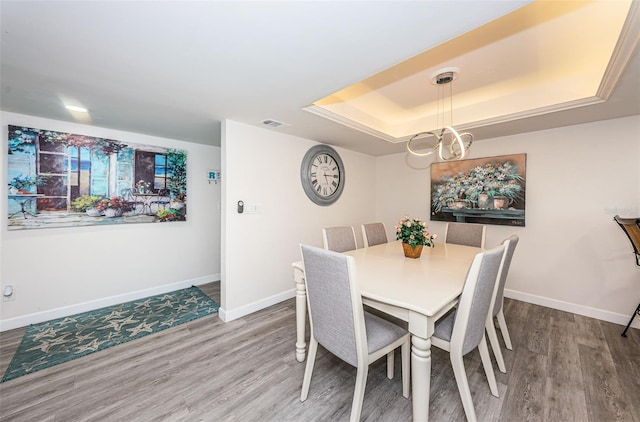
(336, 314)
(475, 300)
(127, 194)
(510, 244)
(339, 239)
(631, 227)
(162, 198)
(374, 234)
(465, 234)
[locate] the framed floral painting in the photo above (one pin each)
(58, 179)
(484, 190)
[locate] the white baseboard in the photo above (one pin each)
(587, 311)
(230, 315)
(600, 314)
(37, 317)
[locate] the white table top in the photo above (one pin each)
(422, 285)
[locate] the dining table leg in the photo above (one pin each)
(420, 377)
(301, 314)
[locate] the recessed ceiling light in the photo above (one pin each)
(76, 108)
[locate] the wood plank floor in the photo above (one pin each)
(563, 367)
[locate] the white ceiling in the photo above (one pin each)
(176, 69)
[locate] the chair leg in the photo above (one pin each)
(488, 368)
(358, 393)
(503, 329)
(405, 350)
(636, 312)
(390, 364)
(308, 372)
(495, 345)
(463, 387)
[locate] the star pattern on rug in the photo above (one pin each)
(117, 324)
(49, 332)
(167, 304)
(28, 366)
(145, 304)
(182, 307)
(57, 341)
(169, 323)
(144, 327)
(46, 345)
(66, 321)
(82, 337)
(114, 314)
(91, 346)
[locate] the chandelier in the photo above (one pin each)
(450, 144)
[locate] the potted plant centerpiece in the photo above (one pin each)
(414, 236)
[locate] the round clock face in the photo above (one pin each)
(322, 175)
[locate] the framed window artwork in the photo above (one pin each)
(58, 179)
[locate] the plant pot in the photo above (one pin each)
(484, 201)
(411, 252)
(457, 205)
(501, 202)
(93, 212)
(112, 212)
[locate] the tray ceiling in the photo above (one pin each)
(542, 58)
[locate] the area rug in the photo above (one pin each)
(53, 342)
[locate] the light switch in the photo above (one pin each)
(253, 208)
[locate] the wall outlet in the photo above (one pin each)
(8, 293)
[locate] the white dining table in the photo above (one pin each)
(418, 291)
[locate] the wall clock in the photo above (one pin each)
(322, 175)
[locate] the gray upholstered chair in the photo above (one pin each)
(339, 323)
(339, 239)
(465, 234)
(373, 234)
(462, 330)
(510, 244)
